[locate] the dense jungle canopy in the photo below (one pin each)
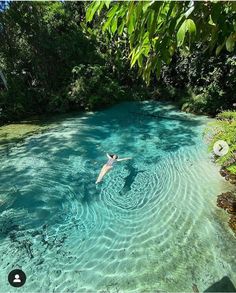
(63, 56)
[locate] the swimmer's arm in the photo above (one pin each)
(124, 159)
(109, 157)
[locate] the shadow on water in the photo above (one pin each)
(133, 172)
(224, 285)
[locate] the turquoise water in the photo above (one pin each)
(151, 225)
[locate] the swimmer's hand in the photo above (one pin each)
(124, 159)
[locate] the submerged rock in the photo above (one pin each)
(228, 176)
(232, 223)
(227, 201)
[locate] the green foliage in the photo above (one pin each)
(93, 88)
(156, 29)
(227, 115)
(202, 83)
(224, 128)
(232, 168)
(56, 59)
(40, 44)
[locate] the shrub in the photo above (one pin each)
(224, 128)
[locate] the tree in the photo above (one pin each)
(155, 29)
(40, 44)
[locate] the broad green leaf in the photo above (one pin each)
(219, 48)
(110, 15)
(112, 11)
(91, 10)
(181, 34)
(106, 24)
(146, 6)
(107, 3)
(230, 44)
(140, 61)
(190, 26)
(114, 25)
(131, 18)
(131, 25)
(135, 55)
(150, 18)
(121, 28)
(187, 26)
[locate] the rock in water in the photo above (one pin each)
(227, 201)
(195, 288)
(232, 223)
(228, 176)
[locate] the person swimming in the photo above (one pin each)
(109, 164)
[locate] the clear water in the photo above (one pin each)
(151, 225)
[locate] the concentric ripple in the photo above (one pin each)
(151, 225)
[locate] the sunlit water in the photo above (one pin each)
(151, 225)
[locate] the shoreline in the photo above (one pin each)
(227, 200)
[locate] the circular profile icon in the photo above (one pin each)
(221, 148)
(17, 278)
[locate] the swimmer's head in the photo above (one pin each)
(114, 157)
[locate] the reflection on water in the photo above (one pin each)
(151, 225)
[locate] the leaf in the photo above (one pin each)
(230, 43)
(114, 25)
(146, 6)
(112, 11)
(140, 61)
(83, 25)
(106, 24)
(107, 3)
(131, 24)
(150, 19)
(91, 10)
(110, 15)
(121, 28)
(181, 34)
(131, 19)
(187, 26)
(219, 48)
(135, 56)
(191, 27)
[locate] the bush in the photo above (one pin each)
(227, 115)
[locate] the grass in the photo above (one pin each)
(224, 128)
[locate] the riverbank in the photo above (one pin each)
(18, 131)
(227, 201)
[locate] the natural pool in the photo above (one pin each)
(151, 225)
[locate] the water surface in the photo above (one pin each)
(151, 225)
